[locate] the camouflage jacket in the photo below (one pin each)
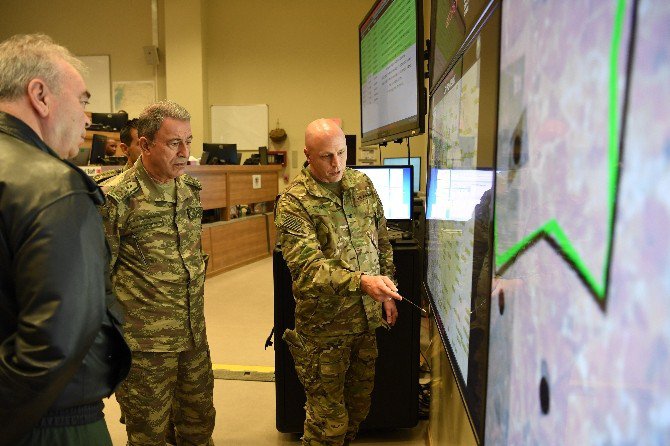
(112, 180)
(157, 265)
(328, 243)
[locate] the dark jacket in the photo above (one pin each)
(61, 350)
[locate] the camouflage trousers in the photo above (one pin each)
(159, 381)
(338, 376)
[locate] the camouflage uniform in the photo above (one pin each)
(328, 243)
(158, 274)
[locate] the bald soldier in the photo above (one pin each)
(333, 237)
(153, 224)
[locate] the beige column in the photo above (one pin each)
(184, 62)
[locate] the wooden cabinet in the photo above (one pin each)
(238, 242)
(233, 242)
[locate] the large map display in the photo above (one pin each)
(580, 332)
(459, 207)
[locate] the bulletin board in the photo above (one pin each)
(244, 125)
(98, 82)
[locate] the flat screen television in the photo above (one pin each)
(453, 24)
(394, 187)
(459, 211)
(391, 71)
(414, 161)
(579, 339)
(447, 34)
(219, 154)
(110, 121)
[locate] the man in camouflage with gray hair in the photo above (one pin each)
(153, 225)
(333, 236)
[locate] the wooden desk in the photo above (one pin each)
(227, 186)
(234, 242)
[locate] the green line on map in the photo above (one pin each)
(552, 228)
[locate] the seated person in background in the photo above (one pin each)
(110, 147)
(130, 145)
(131, 149)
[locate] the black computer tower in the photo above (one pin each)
(395, 398)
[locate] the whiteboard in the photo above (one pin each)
(244, 125)
(98, 82)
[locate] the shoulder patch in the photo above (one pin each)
(194, 182)
(292, 224)
(99, 178)
(122, 191)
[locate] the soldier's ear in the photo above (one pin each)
(144, 144)
(38, 92)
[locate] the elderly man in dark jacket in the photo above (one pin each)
(60, 349)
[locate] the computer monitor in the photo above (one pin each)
(394, 187)
(453, 194)
(82, 157)
(98, 148)
(110, 121)
(414, 161)
(263, 155)
(219, 154)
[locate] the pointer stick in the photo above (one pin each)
(414, 305)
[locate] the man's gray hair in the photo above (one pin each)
(24, 57)
(151, 119)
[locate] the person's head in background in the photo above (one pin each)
(326, 150)
(110, 147)
(164, 130)
(130, 142)
(42, 85)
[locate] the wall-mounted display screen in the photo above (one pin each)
(391, 71)
(459, 209)
(579, 335)
(453, 23)
(447, 34)
(394, 187)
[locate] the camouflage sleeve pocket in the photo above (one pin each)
(293, 340)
